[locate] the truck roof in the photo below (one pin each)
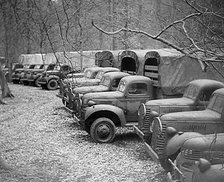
(116, 74)
(131, 78)
(206, 83)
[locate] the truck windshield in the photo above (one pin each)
(37, 66)
(191, 92)
(121, 86)
(105, 81)
(216, 103)
(99, 75)
(50, 67)
(88, 74)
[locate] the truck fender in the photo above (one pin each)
(177, 141)
(103, 107)
(52, 77)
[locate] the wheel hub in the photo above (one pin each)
(103, 131)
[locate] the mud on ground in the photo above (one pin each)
(42, 142)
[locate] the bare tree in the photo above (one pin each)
(198, 26)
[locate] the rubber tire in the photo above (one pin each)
(26, 83)
(52, 84)
(15, 81)
(105, 121)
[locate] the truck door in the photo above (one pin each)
(137, 93)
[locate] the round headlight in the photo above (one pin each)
(171, 131)
(91, 103)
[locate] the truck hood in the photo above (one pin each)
(206, 142)
(176, 142)
(103, 95)
(191, 116)
(173, 102)
(96, 88)
(52, 72)
(88, 82)
(75, 80)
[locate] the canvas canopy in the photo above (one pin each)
(26, 59)
(132, 61)
(171, 71)
(73, 58)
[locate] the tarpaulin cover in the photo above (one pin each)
(72, 58)
(105, 59)
(31, 59)
(176, 70)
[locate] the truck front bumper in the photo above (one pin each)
(149, 149)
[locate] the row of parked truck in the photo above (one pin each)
(174, 107)
(181, 124)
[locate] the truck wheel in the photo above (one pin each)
(52, 84)
(103, 130)
(15, 81)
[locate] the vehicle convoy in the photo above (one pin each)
(196, 97)
(24, 75)
(192, 147)
(49, 79)
(101, 112)
(93, 77)
(17, 75)
(109, 82)
(166, 126)
(34, 75)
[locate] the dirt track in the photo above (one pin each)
(42, 142)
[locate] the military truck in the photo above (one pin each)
(35, 74)
(194, 146)
(18, 73)
(49, 79)
(102, 112)
(166, 126)
(109, 82)
(24, 76)
(196, 97)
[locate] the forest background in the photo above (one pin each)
(42, 26)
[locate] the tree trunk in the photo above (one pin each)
(4, 86)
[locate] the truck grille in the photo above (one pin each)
(191, 154)
(212, 156)
(146, 122)
(158, 138)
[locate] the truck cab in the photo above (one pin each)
(196, 97)
(168, 125)
(102, 112)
